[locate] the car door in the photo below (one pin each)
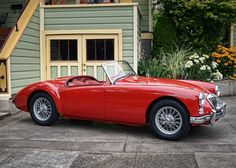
(125, 104)
(83, 102)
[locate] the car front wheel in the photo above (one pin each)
(169, 120)
(42, 109)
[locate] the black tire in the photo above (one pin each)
(181, 112)
(50, 119)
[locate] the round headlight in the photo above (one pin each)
(217, 90)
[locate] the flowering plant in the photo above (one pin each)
(226, 58)
(202, 68)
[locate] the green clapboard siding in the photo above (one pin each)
(5, 6)
(143, 4)
(112, 17)
(25, 59)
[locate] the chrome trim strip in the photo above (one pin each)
(215, 115)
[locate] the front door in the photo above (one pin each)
(72, 55)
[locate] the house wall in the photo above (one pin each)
(146, 27)
(5, 6)
(99, 17)
(25, 59)
(144, 7)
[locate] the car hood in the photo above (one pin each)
(150, 81)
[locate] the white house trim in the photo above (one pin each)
(135, 36)
(42, 44)
(150, 15)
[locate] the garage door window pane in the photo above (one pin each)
(63, 50)
(100, 49)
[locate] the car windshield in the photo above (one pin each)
(117, 69)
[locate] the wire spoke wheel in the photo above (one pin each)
(42, 109)
(168, 120)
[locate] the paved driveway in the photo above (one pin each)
(72, 143)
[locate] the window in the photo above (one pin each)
(63, 50)
(100, 49)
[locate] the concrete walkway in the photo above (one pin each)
(72, 143)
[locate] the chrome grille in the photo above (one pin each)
(214, 101)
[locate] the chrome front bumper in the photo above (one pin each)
(215, 115)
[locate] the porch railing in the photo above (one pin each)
(56, 2)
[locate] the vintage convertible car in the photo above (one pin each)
(169, 107)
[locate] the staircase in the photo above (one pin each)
(9, 37)
(4, 32)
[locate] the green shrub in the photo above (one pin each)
(166, 65)
(150, 67)
(164, 34)
(200, 25)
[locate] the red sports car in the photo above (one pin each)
(170, 107)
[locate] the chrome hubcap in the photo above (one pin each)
(168, 120)
(42, 109)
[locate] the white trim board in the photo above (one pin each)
(135, 37)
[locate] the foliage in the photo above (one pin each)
(149, 67)
(199, 24)
(165, 34)
(226, 58)
(181, 64)
(174, 63)
(202, 68)
(166, 65)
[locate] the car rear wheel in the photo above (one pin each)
(169, 120)
(42, 109)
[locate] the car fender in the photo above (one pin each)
(22, 98)
(188, 97)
